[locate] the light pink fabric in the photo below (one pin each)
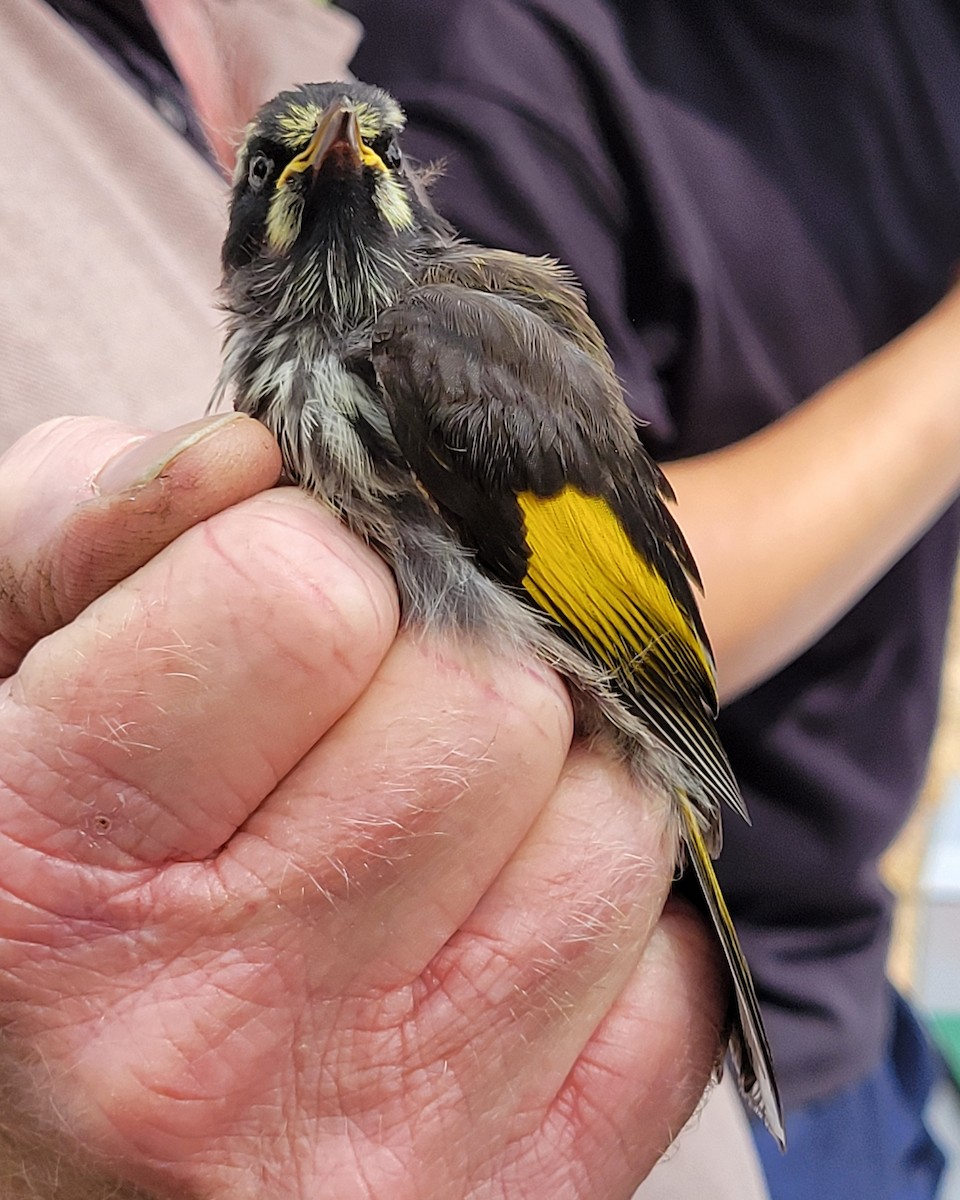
(111, 224)
(234, 54)
(713, 1158)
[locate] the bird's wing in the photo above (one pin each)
(521, 437)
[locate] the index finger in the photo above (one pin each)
(169, 708)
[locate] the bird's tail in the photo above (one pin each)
(749, 1048)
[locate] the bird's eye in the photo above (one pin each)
(259, 171)
(391, 155)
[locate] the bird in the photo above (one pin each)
(457, 408)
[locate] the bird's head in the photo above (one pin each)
(321, 192)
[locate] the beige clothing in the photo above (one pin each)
(713, 1157)
(111, 226)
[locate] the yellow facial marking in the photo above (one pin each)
(296, 166)
(283, 220)
(584, 571)
(373, 121)
(392, 202)
(371, 158)
(297, 123)
(313, 149)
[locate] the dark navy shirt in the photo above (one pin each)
(755, 195)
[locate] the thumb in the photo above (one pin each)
(84, 502)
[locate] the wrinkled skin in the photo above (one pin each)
(292, 906)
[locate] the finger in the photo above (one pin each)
(172, 705)
(84, 502)
(556, 938)
(646, 1069)
(393, 827)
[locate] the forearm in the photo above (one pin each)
(807, 514)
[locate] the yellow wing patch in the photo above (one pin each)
(584, 571)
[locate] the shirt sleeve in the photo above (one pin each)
(513, 99)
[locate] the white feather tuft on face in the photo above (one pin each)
(284, 219)
(392, 202)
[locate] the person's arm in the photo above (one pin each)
(289, 905)
(792, 525)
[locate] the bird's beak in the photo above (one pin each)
(338, 131)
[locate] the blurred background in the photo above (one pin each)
(923, 870)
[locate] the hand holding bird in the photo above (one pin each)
(294, 906)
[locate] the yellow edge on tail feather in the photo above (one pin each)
(693, 835)
(763, 1096)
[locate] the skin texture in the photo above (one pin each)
(874, 458)
(291, 906)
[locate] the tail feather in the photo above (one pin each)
(749, 1048)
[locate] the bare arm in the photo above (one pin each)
(792, 525)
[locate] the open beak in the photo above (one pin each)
(338, 130)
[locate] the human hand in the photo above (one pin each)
(292, 906)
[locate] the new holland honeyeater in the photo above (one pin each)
(456, 406)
